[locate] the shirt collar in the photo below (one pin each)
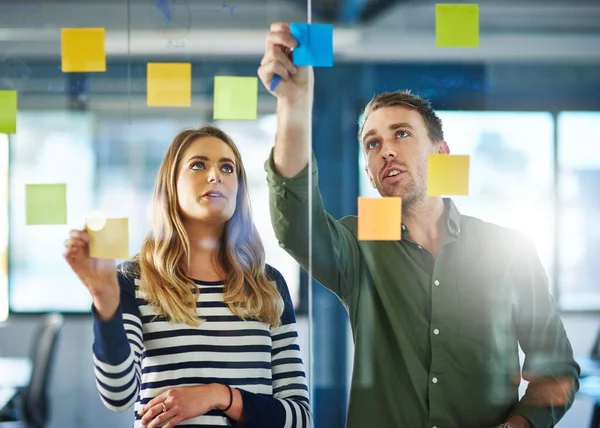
(453, 218)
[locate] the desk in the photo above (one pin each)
(6, 394)
(14, 372)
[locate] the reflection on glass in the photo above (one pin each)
(116, 177)
(579, 212)
(50, 147)
(511, 171)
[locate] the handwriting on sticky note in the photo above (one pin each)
(315, 44)
(380, 219)
(83, 50)
(112, 241)
(457, 25)
(8, 112)
(46, 204)
(447, 175)
(235, 98)
(169, 84)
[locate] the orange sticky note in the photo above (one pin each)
(169, 84)
(82, 50)
(112, 241)
(448, 175)
(379, 219)
(457, 25)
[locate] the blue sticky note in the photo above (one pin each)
(315, 44)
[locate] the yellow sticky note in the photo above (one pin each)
(235, 98)
(169, 84)
(46, 204)
(379, 219)
(457, 25)
(82, 50)
(112, 241)
(8, 112)
(448, 175)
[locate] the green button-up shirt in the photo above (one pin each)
(436, 340)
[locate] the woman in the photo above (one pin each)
(196, 327)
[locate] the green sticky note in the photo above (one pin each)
(457, 25)
(46, 203)
(235, 98)
(8, 112)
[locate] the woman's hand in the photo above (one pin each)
(179, 404)
(98, 275)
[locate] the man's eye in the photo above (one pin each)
(399, 133)
(372, 144)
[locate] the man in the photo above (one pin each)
(438, 316)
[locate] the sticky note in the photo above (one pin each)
(46, 204)
(82, 50)
(315, 44)
(112, 241)
(379, 219)
(169, 84)
(235, 98)
(447, 175)
(8, 112)
(457, 25)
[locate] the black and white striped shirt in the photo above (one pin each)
(138, 355)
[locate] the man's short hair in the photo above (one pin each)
(408, 100)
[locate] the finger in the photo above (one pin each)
(280, 26)
(79, 234)
(279, 40)
(267, 71)
(156, 400)
(162, 419)
(151, 413)
(279, 56)
(75, 243)
(173, 422)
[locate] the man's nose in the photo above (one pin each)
(387, 150)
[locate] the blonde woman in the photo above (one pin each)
(196, 329)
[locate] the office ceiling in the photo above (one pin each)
(365, 30)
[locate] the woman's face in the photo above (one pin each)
(207, 181)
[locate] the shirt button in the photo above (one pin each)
(436, 331)
(434, 380)
(436, 282)
(420, 248)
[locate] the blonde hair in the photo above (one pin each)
(248, 291)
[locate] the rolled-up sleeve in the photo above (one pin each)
(549, 366)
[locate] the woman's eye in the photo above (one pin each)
(197, 165)
(228, 168)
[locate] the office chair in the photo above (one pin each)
(33, 404)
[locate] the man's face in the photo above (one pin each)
(396, 146)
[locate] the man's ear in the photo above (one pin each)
(443, 147)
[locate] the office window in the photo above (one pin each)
(579, 210)
(511, 171)
(109, 165)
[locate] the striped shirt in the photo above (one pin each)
(138, 355)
